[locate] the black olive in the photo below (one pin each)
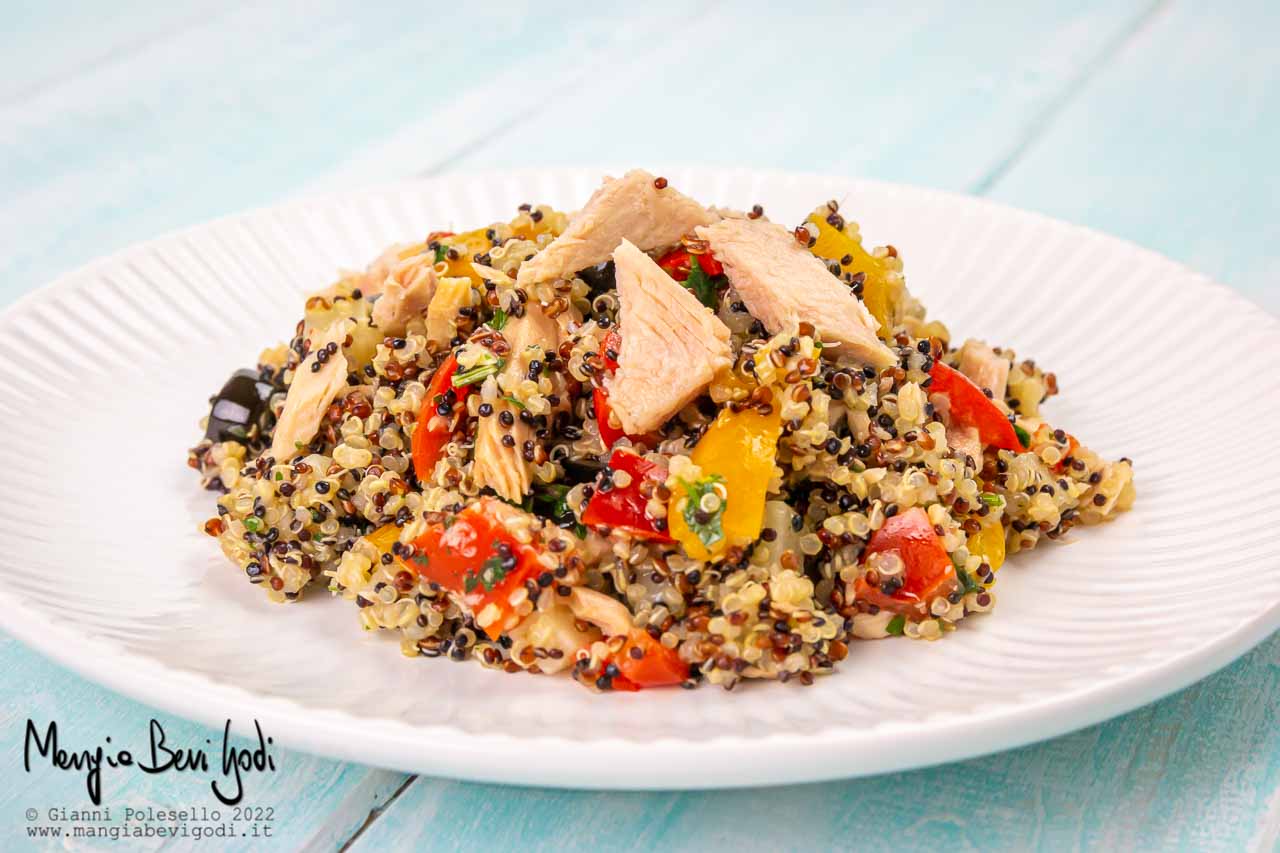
(582, 470)
(599, 278)
(238, 407)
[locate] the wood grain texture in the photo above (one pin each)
(1158, 122)
(1172, 775)
(250, 104)
(1174, 146)
(934, 94)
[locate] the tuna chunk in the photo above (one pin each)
(502, 468)
(965, 442)
(986, 369)
(406, 293)
(782, 284)
(370, 281)
(626, 208)
(672, 345)
(310, 394)
(607, 614)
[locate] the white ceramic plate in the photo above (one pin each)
(104, 374)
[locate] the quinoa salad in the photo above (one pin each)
(649, 443)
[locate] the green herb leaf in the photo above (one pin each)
(253, 524)
(492, 573)
(991, 499)
(499, 321)
(551, 502)
(702, 285)
(482, 370)
(1023, 436)
(896, 625)
(710, 531)
(442, 252)
(967, 582)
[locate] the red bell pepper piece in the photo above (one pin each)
(928, 570)
(610, 347)
(970, 407)
(608, 432)
(644, 662)
(475, 556)
(623, 507)
(434, 430)
(677, 264)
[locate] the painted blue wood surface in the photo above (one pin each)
(1157, 121)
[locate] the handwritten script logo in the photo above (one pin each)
(160, 757)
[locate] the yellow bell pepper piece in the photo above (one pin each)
(383, 538)
(740, 448)
(988, 543)
(549, 221)
(468, 244)
(879, 294)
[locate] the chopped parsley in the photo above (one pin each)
(991, 499)
(442, 252)
(487, 366)
(490, 575)
(551, 502)
(702, 285)
(896, 625)
(707, 526)
(967, 582)
(1023, 436)
(499, 321)
(253, 524)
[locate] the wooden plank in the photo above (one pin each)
(45, 47)
(254, 103)
(317, 803)
(934, 94)
(1175, 145)
(1175, 774)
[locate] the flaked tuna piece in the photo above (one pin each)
(782, 284)
(497, 465)
(406, 293)
(965, 441)
(607, 614)
(311, 393)
(984, 368)
(627, 208)
(672, 344)
(369, 282)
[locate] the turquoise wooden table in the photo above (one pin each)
(1156, 121)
